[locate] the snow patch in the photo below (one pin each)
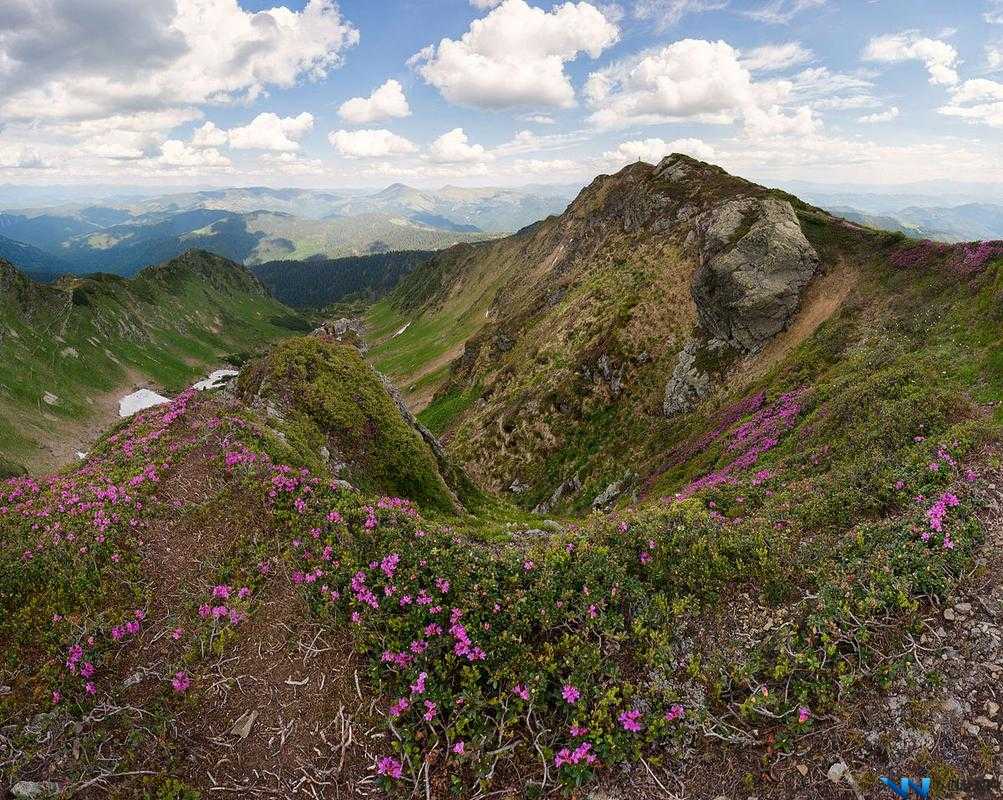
(401, 331)
(138, 401)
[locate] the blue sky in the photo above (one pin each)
(475, 92)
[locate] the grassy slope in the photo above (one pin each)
(91, 338)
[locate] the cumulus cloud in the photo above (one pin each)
(370, 143)
(654, 150)
(994, 56)
(666, 13)
(881, 116)
(19, 156)
(386, 102)
(939, 57)
(62, 60)
(484, 5)
(175, 153)
(776, 57)
(691, 80)
(454, 148)
(781, 12)
(271, 132)
(977, 101)
(516, 55)
(209, 136)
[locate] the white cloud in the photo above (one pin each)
(515, 56)
(666, 13)
(994, 56)
(175, 153)
(60, 63)
(454, 148)
(849, 102)
(978, 101)
(19, 156)
(781, 12)
(271, 132)
(994, 12)
(368, 143)
(386, 102)
(545, 166)
(291, 164)
(209, 136)
(776, 57)
(484, 5)
(939, 57)
(654, 150)
(881, 116)
(692, 80)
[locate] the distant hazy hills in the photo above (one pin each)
(256, 225)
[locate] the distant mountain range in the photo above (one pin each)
(964, 223)
(255, 225)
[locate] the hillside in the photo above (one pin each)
(41, 266)
(68, 351)
(319, 282)
(764, 445)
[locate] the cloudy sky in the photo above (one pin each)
(429, 92)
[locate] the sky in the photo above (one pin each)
(363, 93)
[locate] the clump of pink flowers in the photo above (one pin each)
(390, 767)
(630, 720)
(570, 694)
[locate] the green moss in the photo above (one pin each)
(335, 400)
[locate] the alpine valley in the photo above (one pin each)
(691, 489)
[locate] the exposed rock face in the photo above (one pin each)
(755, 262)
(687, 384)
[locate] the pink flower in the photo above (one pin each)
(177, 633)
(570, 693)
(418, 687)
(458, 748)
(222, 592)
(675, 712)
(631, 720)
(389, 766)
(804, 714)
(90, 688)
(430, 710)
(400, 707)
(181, 682)
(578, 730)
(56, 697)
(521, 691)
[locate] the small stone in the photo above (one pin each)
(984, 722)
(802, 768)
(29, 790)
(992, 709)
(963, 608)
(242, 727)
(836, 772)
(972, 728)
(949, 614)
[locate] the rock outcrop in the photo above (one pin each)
(755, 263)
